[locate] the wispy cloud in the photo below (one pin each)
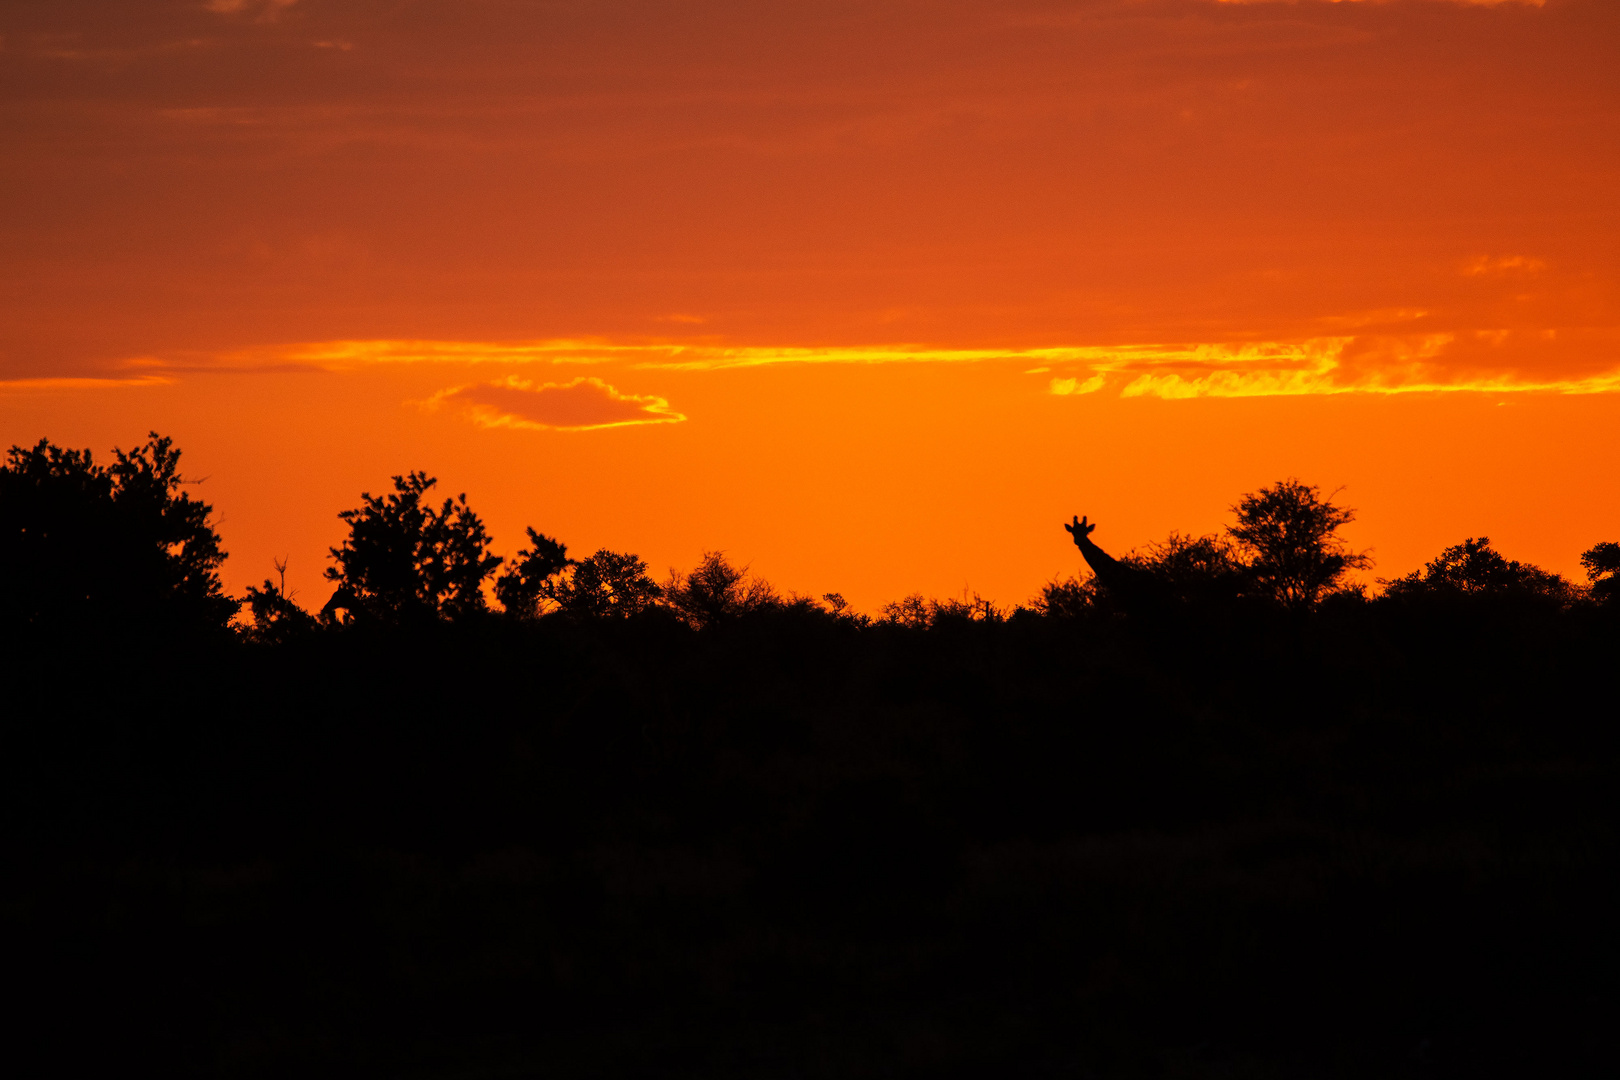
(1497, 361)
(585, 404)
(1465, 3)
(265, 10)
(1360, 359)
(76, 383)
(1486, 265)
(1069, 387)
(669, 356)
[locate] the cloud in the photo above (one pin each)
(667, 356)
(1483, 361)
(1485, 265)
(268, 10)
(1465, 3)
(584, 404)
(1368, 355)
(1071, 387)
(81, 383)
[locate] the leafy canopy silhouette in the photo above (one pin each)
(1285, 535)
(715, 591)
(1282, 550)
(114, 545)
(1195, 569)
(1474, 568)
(526, 585)
(276, 616)
(607, 585)
(406, 561)
(1602, 565)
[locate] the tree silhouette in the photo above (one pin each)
(1602, 563)
(406, 562)
(120, 544)
(716, 590)
(1474, 568)
(523, 587)
(608, 584)
(1286, 534)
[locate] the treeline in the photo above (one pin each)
(1212, 813)
(124, 541)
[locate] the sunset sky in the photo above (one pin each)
(872, 296)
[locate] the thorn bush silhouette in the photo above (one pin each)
(715, 591)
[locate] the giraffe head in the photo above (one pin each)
(1079, 530)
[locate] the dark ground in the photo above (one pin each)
(1378, 841)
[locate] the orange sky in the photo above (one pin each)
(873, 296)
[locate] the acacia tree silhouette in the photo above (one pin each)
(1474, 568)
(114, 544)
(1285, 533)
(715, 590)
(608, 584)
(406, 562)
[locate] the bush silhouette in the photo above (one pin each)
(917, 611)
(276, 617)
(523, 588)
(1200, 569)
(1474, 568)
(1602, 564)
(607, 585)
(1285, 535)
(715, 590)
(406, 562)
(119, 545)
(1065, 598)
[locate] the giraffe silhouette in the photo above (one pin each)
(1131, 586)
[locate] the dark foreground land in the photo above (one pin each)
(1371, 841)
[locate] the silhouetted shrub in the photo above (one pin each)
(836, 604)
(276, 617)
(115, 546)
(1474, 568)
(607, 585)
(912, 611)
(918, 612)
(523, 588)
(406, 562)
(1602, 564)
(1065, 598)
(715, 590)
(1202, 569)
